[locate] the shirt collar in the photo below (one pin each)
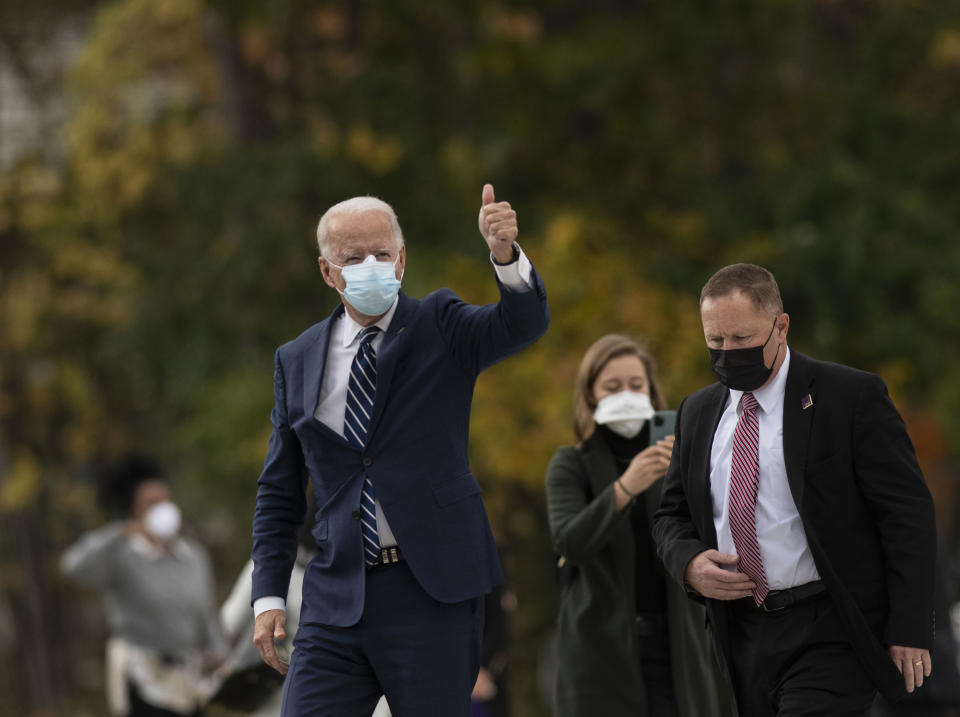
(771, 395)
(351, 329)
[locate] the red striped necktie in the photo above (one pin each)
(744, 476)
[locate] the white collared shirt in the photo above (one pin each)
(332, 406)
(786, 556)
(332, 403)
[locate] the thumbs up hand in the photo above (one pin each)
(498, 225)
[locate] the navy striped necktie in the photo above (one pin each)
(361, 390)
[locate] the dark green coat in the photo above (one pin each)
(598, 672)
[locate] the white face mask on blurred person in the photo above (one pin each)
(624, 413)
(162, 521)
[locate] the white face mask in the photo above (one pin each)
(162, 520)
(624, 413)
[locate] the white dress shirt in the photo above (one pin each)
(786, 556)
(344, 343)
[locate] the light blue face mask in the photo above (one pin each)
(372, 285)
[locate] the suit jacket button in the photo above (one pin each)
(355, 515)
(367, 462)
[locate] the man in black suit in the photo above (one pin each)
(795, 506)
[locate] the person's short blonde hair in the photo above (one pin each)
(356, 205)
(596, 357)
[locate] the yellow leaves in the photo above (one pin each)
(23, 299)
(376, 152)
(685, 232)
(21, 485)
(897, 373)
(26, 197)
(323, 134)
(523, 407)
(90, 431)
(562, 234)
(95, 284)
(37, 187)
(142, 103)
(945, 50)
(462, 161)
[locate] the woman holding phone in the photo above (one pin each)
(629, 640)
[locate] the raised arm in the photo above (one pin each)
(479, 336)
(91, 559)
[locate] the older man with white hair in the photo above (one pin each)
(373, 404)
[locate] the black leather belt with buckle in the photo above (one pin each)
(388, 556)
(778, 600)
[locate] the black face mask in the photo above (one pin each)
(743, 369)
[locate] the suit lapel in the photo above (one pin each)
(797, 419)
(709, 419)
(314, 363)
(389, 353)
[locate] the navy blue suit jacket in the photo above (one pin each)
(416, 455)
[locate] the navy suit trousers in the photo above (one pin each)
(422, 654)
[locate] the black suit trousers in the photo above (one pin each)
(796, 662)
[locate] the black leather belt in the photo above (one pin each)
(777, 600)
(388, 556)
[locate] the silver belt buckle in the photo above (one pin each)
(388, 556)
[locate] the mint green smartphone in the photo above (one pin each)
(662, 425)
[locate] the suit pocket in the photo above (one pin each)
(320, 530)
(450, 491)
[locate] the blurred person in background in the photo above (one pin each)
(629, 641)
(250, 685)
(157, 589)
(373, 404)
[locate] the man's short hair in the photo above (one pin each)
(754, 281)
(356, 205)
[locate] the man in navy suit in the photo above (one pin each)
(373, 404)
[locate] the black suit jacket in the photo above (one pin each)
(866, 510)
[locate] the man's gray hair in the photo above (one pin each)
(356, 205)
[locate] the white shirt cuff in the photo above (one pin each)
(515, 275)
(268, 603)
